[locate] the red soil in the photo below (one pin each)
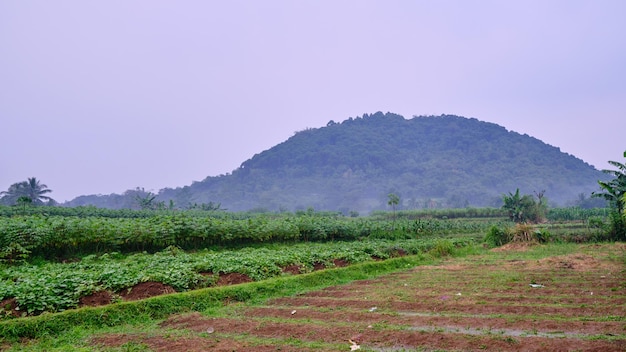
(145, 290)
(422, 308)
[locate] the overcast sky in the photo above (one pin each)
(98, 97)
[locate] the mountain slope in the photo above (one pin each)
(446, 161)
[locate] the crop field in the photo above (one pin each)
(476, 302)
(419, 281)
(28, 290)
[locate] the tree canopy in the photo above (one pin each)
(31, 189)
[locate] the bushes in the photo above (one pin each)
(521, 233)
(497, 236)
(442, 248)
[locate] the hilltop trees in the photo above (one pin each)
(435, 161)
(31, 189)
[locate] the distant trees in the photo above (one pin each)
(524, 208)
(210, 206)
(31, 191)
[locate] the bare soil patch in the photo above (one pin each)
(146, 290)
(339, 263)
(232, 279)
(100, 298)
(318, 266)
(291, 269)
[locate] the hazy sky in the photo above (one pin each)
(104, 96)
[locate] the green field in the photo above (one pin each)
(53, 264)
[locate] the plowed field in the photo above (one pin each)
(476, 303)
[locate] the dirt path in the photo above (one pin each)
(469, 304)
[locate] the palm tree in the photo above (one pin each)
(36, 191)
(393, 201)
(31, 188)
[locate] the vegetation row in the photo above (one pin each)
(55, 237)
(54, 287)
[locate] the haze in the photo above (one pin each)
(101, 97)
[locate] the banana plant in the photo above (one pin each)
(614, 190)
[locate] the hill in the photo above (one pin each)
(429, 161)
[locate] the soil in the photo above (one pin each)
(292, 269)
(318, 266)
(100, 298)
(232, 279)
(458, 306)
(146, 290)
(340, 263)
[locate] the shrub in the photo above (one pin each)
(442, 248)
(497, 236)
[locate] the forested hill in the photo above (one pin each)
(429, 161)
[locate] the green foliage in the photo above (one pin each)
(614, 191)
(576, 213)
(444, 214)
(525, 208)
(498, 236)
(139, 312)
(617, 230)
(54, 287)
(442, 248)
(54, 237)
(13, 253)
(393, 200)
(543, 236)
(146, 201)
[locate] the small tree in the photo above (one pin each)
(393, 201)
(146, 201)
(524, 208)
